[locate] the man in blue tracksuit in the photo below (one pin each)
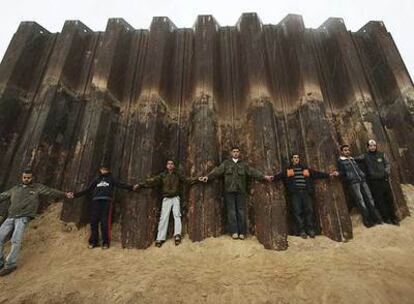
(355, 180)
(102, 188)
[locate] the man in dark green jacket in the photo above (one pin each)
(171, 183)
(24, 203)
(236, 175)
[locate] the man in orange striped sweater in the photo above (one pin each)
(298, 179)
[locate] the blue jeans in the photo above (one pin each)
(17, 225)
(365, 203)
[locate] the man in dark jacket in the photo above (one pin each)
(299, 180)
(236, 174)
(171, 183)
(103, 189)
(377, 168)
(24, 203)
(354, 179)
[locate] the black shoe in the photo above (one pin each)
(177, 240)
(303, 235)
(92, 246)
(6, 271)
(378, 217)
(395, 222)
(158, 243)
(311, 234)
(105, 246)
(388, 221)
(367, 223)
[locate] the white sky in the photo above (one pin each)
(51, 14)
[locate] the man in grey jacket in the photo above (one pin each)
(24, 203)
(355, 180)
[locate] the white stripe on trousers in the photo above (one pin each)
(167, 204)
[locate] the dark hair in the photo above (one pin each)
(170, 160)
(293, 154)
(235, 148)
(27, 171)
(105, 166)
(342, 147)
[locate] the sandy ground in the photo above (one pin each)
(55, 266)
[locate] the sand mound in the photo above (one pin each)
(55, 267)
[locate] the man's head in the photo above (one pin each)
(235, 152)
(295, 159)
(372, 145)
(345, 150)
(170, 165)
(104, 169)
(27, 176)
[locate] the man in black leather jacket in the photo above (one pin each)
(377, 169)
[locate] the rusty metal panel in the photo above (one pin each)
(134, 98)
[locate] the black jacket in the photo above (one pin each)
(290, 180)
(375, 164)
(103, 187)
(349, 170)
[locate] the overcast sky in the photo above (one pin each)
(51, 14)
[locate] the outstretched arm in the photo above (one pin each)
(151, 182)
(87, 190)
(216, 172)
(341, 171)
(123, 185)
(360, 158)
(187, 180)
(5, 195)
(279, 176)
(53, 193)
(318, 175)
(255, 174)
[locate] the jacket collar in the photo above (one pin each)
(345, 158)
(26, 185)
(239, 160)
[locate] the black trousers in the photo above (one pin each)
(302, 209)
(100, 210)
(383, 198)
(236, 217)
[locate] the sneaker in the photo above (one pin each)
(303, 235)
(311, 234)
(235, 236)
(5, 271)
(105, 246)
(92, 246)
(158, 243)
(177, 240)
(241, 236)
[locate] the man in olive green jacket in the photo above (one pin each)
(170, 182)
(24, 202)
(236, 174)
